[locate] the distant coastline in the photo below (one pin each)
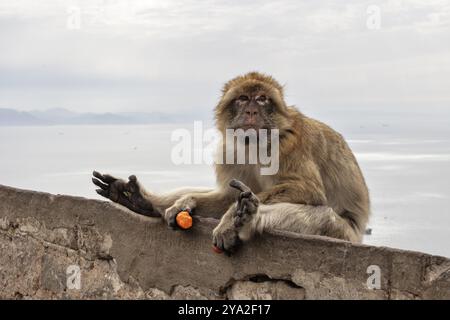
(61, 116)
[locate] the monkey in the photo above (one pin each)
(319, 188)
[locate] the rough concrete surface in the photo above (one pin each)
(121, 255)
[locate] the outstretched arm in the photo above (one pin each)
(203, 202)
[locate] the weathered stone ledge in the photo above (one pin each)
(124, 255)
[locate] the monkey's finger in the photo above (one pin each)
(240, 208)
(172, 222)
(239, 185)
(103, 193)
(246, 194)
(132, 185)
(248, 207)
(100, 184)
(116, 190)
(98, 175)
(245, 199)
(106, 178)
(244, 207)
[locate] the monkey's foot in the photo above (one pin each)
(129, 194)
(246, 206)
(226, 239)
(235, 226)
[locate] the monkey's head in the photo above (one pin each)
(252, 101)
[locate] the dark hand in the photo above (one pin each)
(247, 203)
(128, 194)
(227, 236)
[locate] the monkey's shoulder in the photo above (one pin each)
(316, 126)
(319, 132)
(324, 142)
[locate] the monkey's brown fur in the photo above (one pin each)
(319, 188)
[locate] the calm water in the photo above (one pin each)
(408, 176)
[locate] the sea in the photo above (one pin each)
(404, 156)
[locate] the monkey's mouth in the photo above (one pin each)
(250, 130)
(255, 127)
(250, 127)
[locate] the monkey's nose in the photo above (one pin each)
(251, 113)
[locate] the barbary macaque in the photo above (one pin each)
(318, 189)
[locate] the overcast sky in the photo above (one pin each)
(174, 55)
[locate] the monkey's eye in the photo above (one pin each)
(243, 98)
(262, 99)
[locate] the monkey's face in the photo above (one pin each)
(251, 110)
(252, 101)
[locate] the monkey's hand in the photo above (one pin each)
(129, 194)
(236, 224)
(185, 203)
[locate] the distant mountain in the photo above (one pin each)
(60, 116)
(54, 114)
(9, 117)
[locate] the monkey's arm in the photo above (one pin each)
(212, 203)
(300, 192)
(303, 187)
(131, 194)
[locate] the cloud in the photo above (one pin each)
(174, 55)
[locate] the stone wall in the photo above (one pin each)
(124, 255)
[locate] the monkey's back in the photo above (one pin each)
(344, 184)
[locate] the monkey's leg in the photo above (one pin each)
(232, 231)
(304, 219)
(247, 217)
